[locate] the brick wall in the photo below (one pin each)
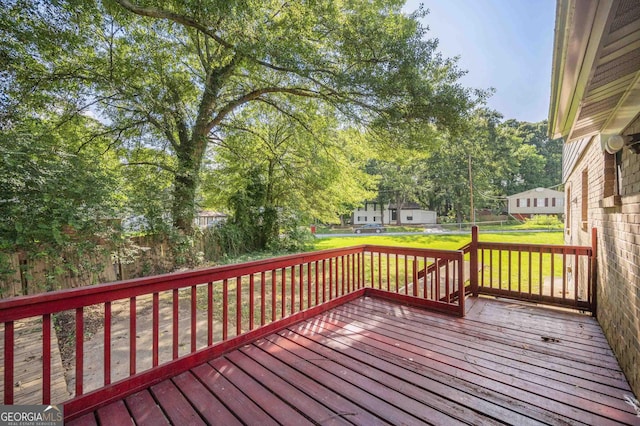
(617, 220)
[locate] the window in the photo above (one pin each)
(517, 202)
(612, 177)
(394, 214)
(528, 202)
(553, 202)
(585, 199)
(546, 202)
(535, 202)
(409, 218)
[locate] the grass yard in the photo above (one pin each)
(441, 241)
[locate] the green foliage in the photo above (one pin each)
(542, 221)
(52, 194)
(171, 76)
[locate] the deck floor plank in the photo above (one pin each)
(278, 386)
(534, 348)
(279, 410)
(144, 409)
(487, 350)
(400, 396)
(209, 407)
(175, 405)
(115, 414)
(565, 404)
(344, 408)
(86, 420)
(247, 411)
(373, 362)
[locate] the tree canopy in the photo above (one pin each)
(173, 76)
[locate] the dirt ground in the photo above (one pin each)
(93, 377)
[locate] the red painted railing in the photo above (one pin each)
(190, 315)
(550, 274)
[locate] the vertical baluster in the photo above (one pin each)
(274, 292)
(397, 278)
(500, 268)
(519, 269)
(380, 271)
(342, 275)
(564, 274)
(79, 350)
(46, 359)
(225, 309)
(210, 313)
(447, 284)
(238, 306)
(107, 343)
(372, 269)
(338, 277)
(283, 294)
(309, 304)
(509, 269)
(415, 276)
(552, 271)
(540, 278)
(482, 266)
(132, 336)
(324, 281)
(529, 252)
(491, 253)
(425, 290)
(293, 289)
(8, 362)
(436, 282)
(331, 279)
(251, 301)
(263, 294)
(155, 314)
(175, 302)
(317, 287)
(388, 272)
(461, 290)
(406, 275)
(576, 281)
(194, 316)
(301, 287)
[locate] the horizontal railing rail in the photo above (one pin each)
(156, 321)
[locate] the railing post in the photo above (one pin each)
(473, 261)
(593, 287)
(461, 289)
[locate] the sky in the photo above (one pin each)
(503, 44)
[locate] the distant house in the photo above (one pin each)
(538, 201)
(387, 214)
(207, 218)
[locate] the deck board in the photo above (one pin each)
(373, 361)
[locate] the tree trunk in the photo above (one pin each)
(190, 154)
(399, 203)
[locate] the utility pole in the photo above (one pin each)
(473, 213)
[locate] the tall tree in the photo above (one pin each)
(273, 169)
(177, 71)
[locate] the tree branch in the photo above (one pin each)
(256, 94)
(150, 163)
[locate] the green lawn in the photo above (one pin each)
(443, 242)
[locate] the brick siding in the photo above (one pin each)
(618, 225)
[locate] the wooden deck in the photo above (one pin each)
(373, 361)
